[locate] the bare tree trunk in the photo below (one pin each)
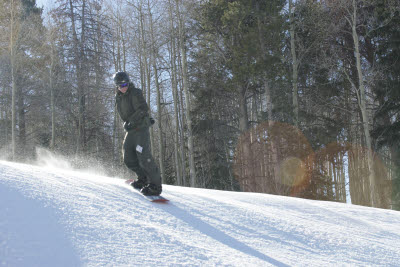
(52, 110)
(148, 75)
(14, 28)
(294, 66)
(116, 46)
(143, 54)
(78, 67)
(21, 117)
(52, 96)
(178, 169)
(13, 114)
(4, 118)
(147, 72)
(273, 153)
(342, 179)
(159, 108)
(181, 116)
(192, 167)
(362, 101)
(247, 137)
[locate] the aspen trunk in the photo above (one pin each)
(192, 167)
(247, 154)
(13, 34)
(159, 108)
(364, 113)
(52, 97)
(146, 71)
(294, 66)
(273, 153)
(178, 169)
(78, 67)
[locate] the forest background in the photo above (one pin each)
(298, 98)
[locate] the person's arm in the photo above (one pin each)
(140, 106)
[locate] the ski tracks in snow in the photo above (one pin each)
(96, 220)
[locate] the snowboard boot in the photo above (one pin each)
(151, 190)
(139, 183)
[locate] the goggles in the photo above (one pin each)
(123, 85)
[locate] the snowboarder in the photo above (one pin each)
(133, 110)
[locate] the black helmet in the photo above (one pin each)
(121, 77)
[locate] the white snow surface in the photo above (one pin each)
(58, 217)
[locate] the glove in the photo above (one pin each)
(152, 121)
(128, 126)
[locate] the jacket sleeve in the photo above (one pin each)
(139, 104)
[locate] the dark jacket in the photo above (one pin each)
(132, 107)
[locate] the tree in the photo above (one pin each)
(295, 64)
(174, 85)
(386, 127)
(185, 83)
(23, 24)
(154, 57)
(15, 8)
(85, 46)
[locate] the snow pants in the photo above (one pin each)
(137, 155)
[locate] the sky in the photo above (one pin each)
(42, 3)
(51, 215)
(46, 4)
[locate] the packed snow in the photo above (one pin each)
(58, 217)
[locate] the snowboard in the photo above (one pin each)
(158, 199)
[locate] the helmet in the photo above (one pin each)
(121, 77)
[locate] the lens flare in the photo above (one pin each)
(292, 171)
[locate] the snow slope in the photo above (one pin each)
(56, 217)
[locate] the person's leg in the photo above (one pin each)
(146, 160)
(130, 158)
